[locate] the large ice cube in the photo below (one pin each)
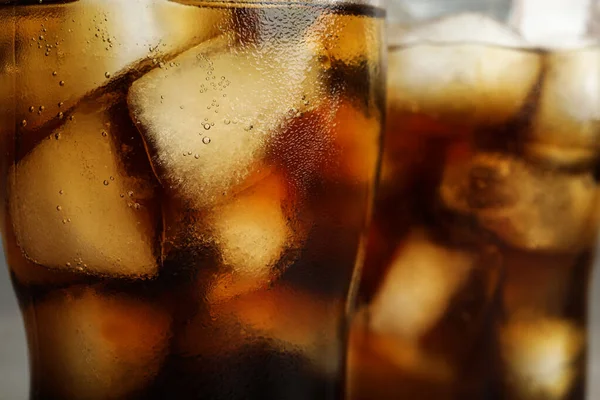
(65, 50)
(83, 199)
(94, 345)
(251, 233)
(208, 120)
(566, 128)
(527, 207)
(541, 357)
(437, 74)
(418, 287)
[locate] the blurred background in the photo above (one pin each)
(13, 353)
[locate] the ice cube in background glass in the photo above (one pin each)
(104, 345)
(418, 287)
(83, 198)
(566, 127)
(525, 206)
(459, 83)
(540, 354)
(47, 40)
(209, 118)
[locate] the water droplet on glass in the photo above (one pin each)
(57, 135)
(61, 104)
(136, 206)
(130, 193)
(226, 121)
(107, 74)
(31, 109)
(105, 183)
(41, 37)
(68, 264)
(206, 126)
(64, 221)
(112, 178)
(61, 191)
(60, 115)
(196, 156)
(24, 123)
(206, 140)
(71, 117)
(104, 134)
(58, 208)
(42, 108)
(122, 195)
(61, 83)
(54, 73)
(189, 153)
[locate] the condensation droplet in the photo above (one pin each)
(189, 153)
(57, 135)
(206, 140)
(226, 121)
(24, 123)
(64, 221)
(122, 195)
(41, 37)
(54, 73)
(105, 183)
(104, 134)
(206, 126)
(31, 109)
(107, 74)
(112, 178)
(130, 193)
(61, 83)
(60, 115)
(60, 104)
(61, 191)
(196, 156)
(137, 206)
(58, 208)
(71, 117)
(68, 264)
(42, 108)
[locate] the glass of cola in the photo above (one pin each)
(184, 189)
(479, 256)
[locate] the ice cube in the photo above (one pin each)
(551, 275)
(422, 278)
(208, 121)
(294, 320)
(438, 74)
(566, 127)
(541, 357)
(65, 51)
(252, 232)
(94, 345)
(83, 199)
(527, 207)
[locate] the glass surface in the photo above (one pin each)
(184, 190)
(479, 257)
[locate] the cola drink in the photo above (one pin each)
(185, 186)
(479, 256)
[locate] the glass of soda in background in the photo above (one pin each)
(184, 190)
(479, 257)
